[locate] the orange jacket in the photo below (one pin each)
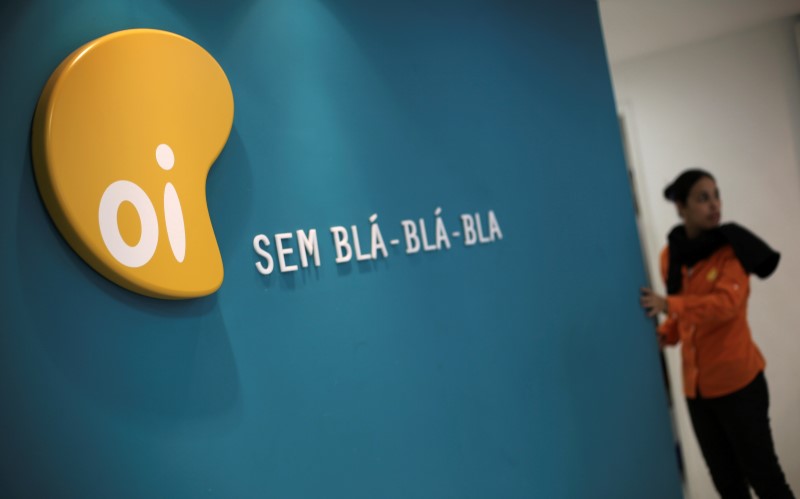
(709, 318)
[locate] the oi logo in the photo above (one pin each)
(124, 134)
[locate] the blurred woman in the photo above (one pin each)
(706, 267)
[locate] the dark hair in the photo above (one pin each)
(678, 191)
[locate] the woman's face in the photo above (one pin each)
(702, 210)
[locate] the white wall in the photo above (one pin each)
(732, 106)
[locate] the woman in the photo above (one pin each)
(706, 267)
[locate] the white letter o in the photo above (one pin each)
(116, 194)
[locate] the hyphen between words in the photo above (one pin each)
(348, 243)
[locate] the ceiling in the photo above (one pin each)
(635, 28)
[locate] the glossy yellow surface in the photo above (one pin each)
(100, 119)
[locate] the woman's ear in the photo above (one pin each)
(680, 207)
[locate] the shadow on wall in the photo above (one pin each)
(213, 19)
(229, 193)
(156, 362)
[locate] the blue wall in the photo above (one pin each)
(522, 368)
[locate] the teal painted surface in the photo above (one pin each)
(522, 368)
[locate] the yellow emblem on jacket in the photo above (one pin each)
(712, 275)
(124, 135)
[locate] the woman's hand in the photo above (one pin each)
(654, 304)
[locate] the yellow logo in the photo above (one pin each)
(712, 275)
(124, 135)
